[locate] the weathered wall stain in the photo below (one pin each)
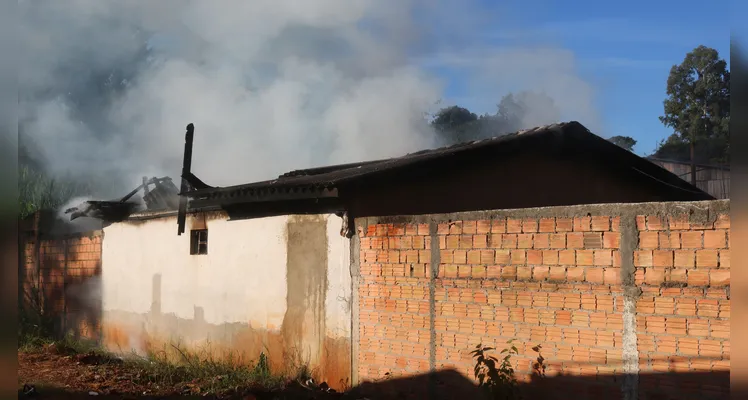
(306, 280)
(302, 339)
(162, 334)
(335, 365)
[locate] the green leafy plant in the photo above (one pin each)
(494, 376)
(497, 376)
(538, 366)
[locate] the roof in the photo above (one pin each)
(723, 167)
(163, 196)
(323, 182)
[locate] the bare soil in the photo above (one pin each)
(51, 374)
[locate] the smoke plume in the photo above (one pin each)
(107, 87)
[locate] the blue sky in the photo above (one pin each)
(624, 50)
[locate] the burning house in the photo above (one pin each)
(340, 267)
(162, 196)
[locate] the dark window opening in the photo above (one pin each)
(199, 241)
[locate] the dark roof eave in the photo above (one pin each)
(231, 198)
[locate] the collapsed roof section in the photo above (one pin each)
(159, 194)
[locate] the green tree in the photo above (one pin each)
(697, 108)
(626, 142)
(37, 191)
(514, 112)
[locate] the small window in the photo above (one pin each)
(199, 241)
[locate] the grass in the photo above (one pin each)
(200, 371)
(211, 374)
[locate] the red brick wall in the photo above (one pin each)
(556, 277)
(54, 272)
(683, 315)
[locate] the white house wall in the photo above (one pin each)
(278, 285)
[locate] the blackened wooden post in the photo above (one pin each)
(186, 167)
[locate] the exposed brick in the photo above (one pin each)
(719, 329)
(692, 240)
(601, 223)
(541, 241)
(575, 274)
(498, 225)
(654, 275)
(534, 257)
(557, 274)
(715, 239)
(509, 241)
(524, 241)
(575, 240)
(550, 257)
(483, 227)
(611, 240)
(698, 277)
(469, 227)
(514, 225)
(684, 258)
(480, 241)
(593, 240)
(547, 225)
(669, 240)
(540, 273)
(582, 224)
(677, 275)
(643, 258)
(557, 240)
(529, 225)
(719, 277)
(654, 223)
(612, 276)
(502, 256)
(564, 225)
(466, 241)
(724, 259)
(595, 275)
(517, 257)
(641, 222)
(603, 257)
(585, 257)
(567, 257)
(524, 273)
(555, 292)
(707, 258)
(662, 258)
(473, 257)
(722, 222)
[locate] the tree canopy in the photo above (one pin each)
(626, 142)
(514, 112)
(697, 108)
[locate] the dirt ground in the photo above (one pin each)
(47, 374)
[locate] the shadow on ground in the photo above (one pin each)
(450, 384)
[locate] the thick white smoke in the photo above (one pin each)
(271, 85)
